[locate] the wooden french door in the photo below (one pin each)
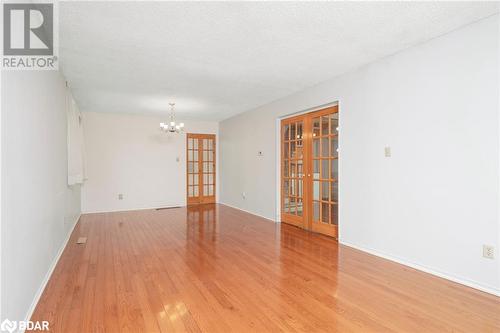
(309, 169)
(293, 160)
(200, 168)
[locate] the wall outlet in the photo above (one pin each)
(243, 195)
(120, 196)
(488, 251)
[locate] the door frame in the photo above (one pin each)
(279, 154)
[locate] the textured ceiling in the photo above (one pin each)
(217, 59)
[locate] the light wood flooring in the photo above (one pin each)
(212, 268)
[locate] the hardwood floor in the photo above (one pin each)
(213, 268)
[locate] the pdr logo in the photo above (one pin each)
(29, 38)
(8, 326)
(11, 326)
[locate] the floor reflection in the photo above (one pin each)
(201, 235)
(309, 256)
(201, 222)
(309, 244)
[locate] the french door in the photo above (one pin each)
(200, 168)
(309, 169)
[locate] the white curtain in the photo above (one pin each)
(76, 149)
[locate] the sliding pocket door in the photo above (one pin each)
(309, 171)
(200, 168)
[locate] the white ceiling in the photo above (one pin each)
(217, 59)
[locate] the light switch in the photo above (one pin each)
(387, 151)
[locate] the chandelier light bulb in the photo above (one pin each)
(181, 125)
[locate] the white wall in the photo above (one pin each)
(38, 209)
(434, 203)
(128, 154)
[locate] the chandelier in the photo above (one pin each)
(172, 127)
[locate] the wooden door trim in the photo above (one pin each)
(307, 173)
(322, 112)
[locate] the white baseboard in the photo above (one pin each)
(466, 282)
(131, 209)
(50, 271)
(249, 212)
